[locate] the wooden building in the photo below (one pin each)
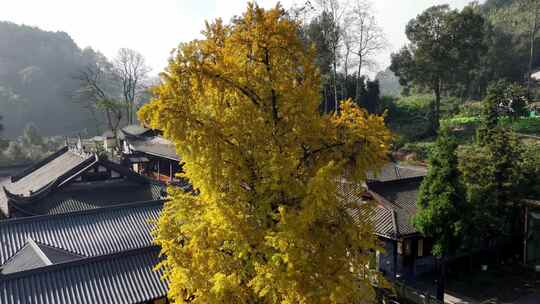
(393, 192)
(77, 228)
(151, 155)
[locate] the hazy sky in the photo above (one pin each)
(155, 27)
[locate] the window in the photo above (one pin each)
(420, 247)
(407, 247)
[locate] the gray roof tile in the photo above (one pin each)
(378, 216)
(135, 130)
(393, 171)
(84, 196)
(34, 255)
(157, 146)
(48, 172)
(399, 196)
(395, 204)
(126, 277)
(88, 233)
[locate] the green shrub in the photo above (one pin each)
(421, 149)
(526, 125)
(450, 106)
(407, 116)
(471, 108)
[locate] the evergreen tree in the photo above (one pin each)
(531, 171)
(491, 112)
(441, 203)
(372, 96)
(492, 171)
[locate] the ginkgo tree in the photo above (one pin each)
(266, 224)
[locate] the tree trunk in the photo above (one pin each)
(345, 89)
(435, 109)
(336, 109)
(441, 282)
(359, 79)
(531, 49)
(128, 114)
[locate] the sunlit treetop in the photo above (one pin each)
(268, 226)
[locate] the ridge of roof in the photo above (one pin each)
(394, 171)
(135, 130)
(156, 145)
(33, 167)
(140, 204)
(72, 174)
(81, 198)
(395, 181)
(56, 182)
(39, 252)
(125, 171)
(82, 261)
(41, 244)
(399, 196)
(31, 255)
(394, 223)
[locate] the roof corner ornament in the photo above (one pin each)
(80, 146)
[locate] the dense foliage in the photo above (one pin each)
(267, 224)
(441, 201)
(445, 46)
(492, 170)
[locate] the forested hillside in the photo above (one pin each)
(37, 70)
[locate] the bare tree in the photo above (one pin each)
(366, 35)
(97, 93)
(335, 10)
(132, 72)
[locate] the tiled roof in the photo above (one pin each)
(55, 169)
(4, 201)
(84, 196)
(126, 277)
(393, 171)
(399, 196)
(395, 204)
(379, 216)
(157, 146)
(135, 130)
(34, 255)
(88, 233)
(48, 171)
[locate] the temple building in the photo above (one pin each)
(73, 180)
(149, 154)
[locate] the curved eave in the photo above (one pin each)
(48, 188)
